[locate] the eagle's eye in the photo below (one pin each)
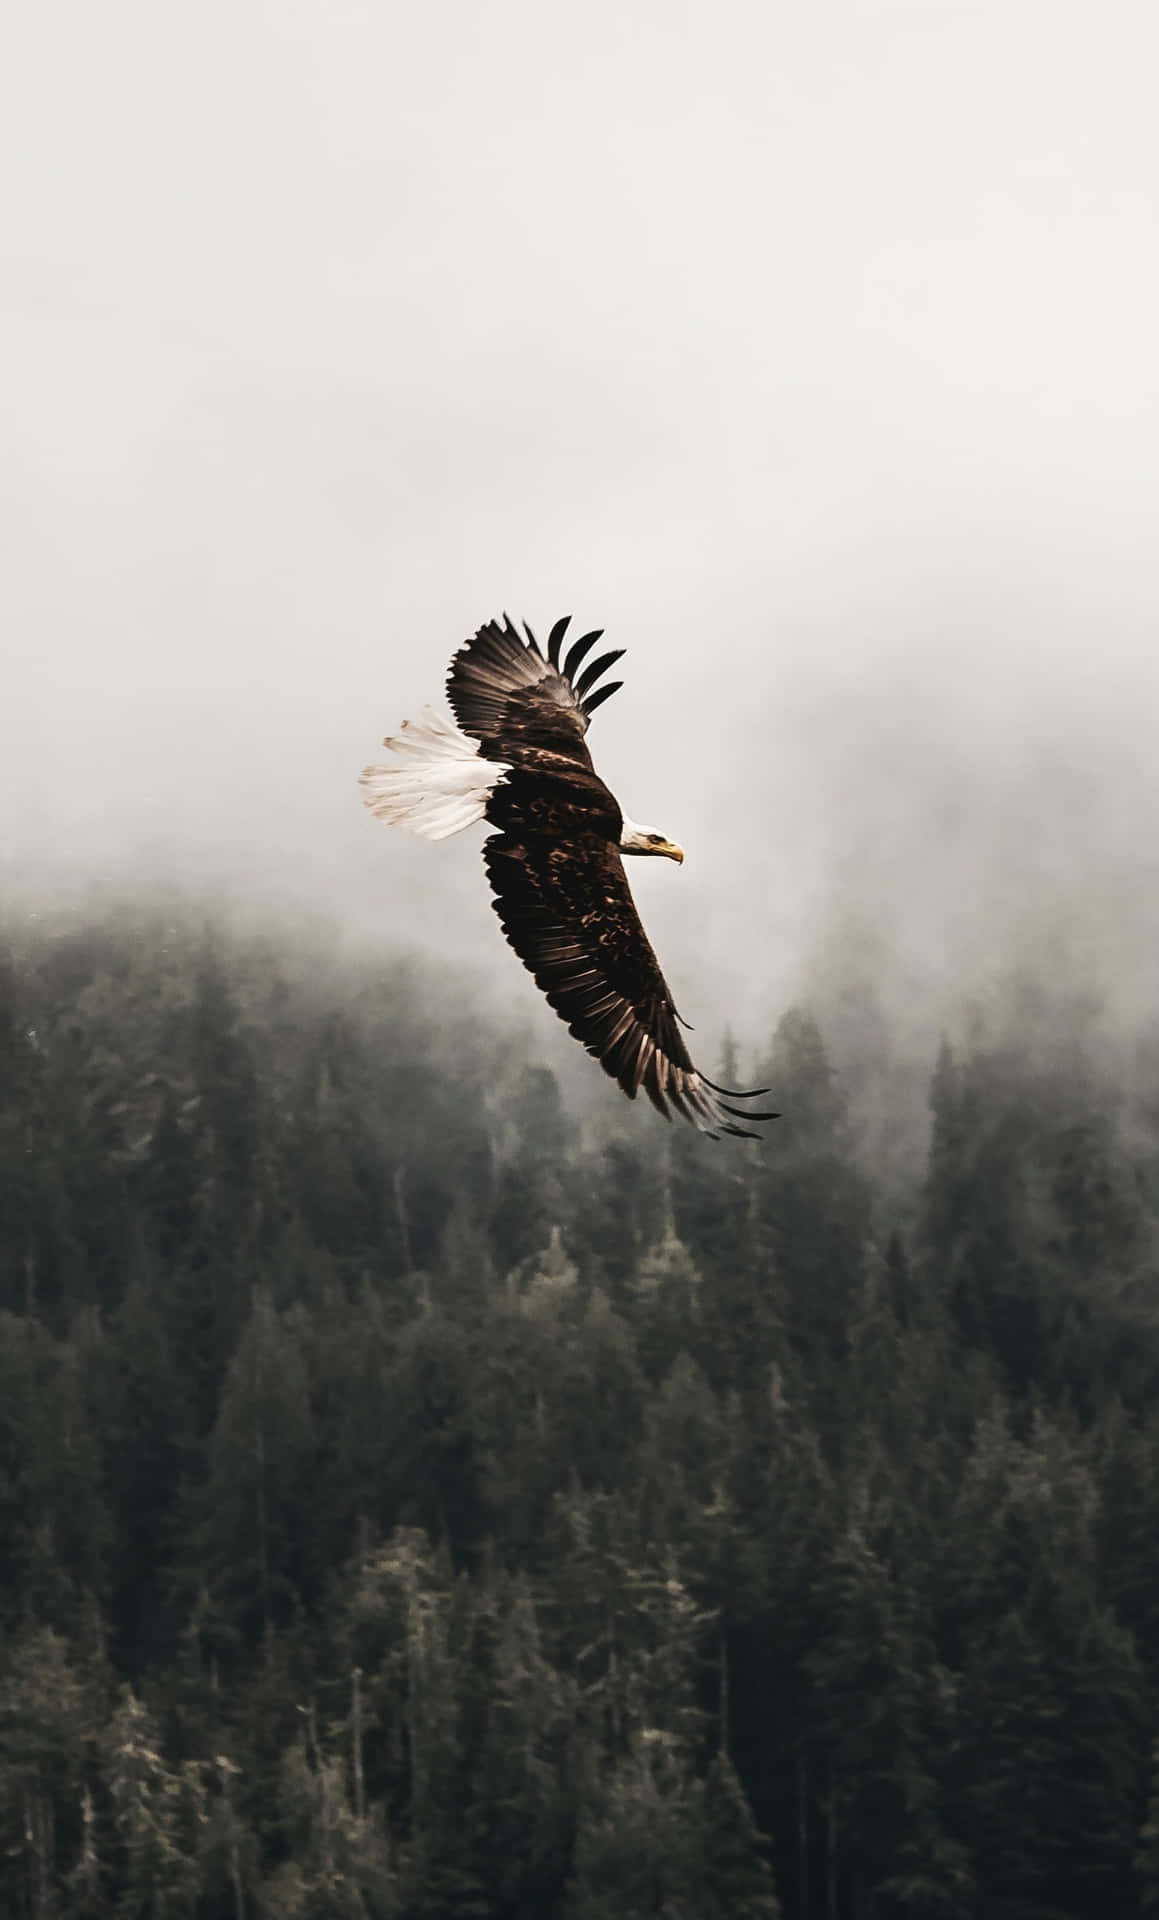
(655, 839)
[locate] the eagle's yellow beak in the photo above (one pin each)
(636, 839)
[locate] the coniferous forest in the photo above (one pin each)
(417, 1502)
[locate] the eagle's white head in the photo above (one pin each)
(634, 839)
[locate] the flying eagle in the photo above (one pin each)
(517, 758)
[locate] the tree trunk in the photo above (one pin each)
(830, 1847)
(260, 1460)
(236, 1879)
(227, 1770)
(803, 1834)
(403, 1218)
(325, 1819)
(88, 1870)
(356, 1743)
(38, 1841)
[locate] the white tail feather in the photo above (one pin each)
(437, 784)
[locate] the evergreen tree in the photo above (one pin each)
(146, 1425)
(518, 1716)
(812, 1201)
(492, 1521)
(55, 1524)
(658, 1840)
(49, 1707)
(636, 1848)
(260, 1460)
(886, 1714)
(529, 1199)
(667, 1288)
(399, 1631)
(340, 1866)
(737, 1882)
(1049, 1755)
(1147, 1854)
(431, 1463)
(159, 1815)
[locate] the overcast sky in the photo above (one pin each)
(810, 349)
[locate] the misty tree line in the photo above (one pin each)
(412, 1504)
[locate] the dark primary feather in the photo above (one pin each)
(579, 650)
(591, 674)
(560, 888)
(605, 693)
(555, 638)
(506, 695)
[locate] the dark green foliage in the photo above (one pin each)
(260, 1460)
(51, 1694)
(411, 1506)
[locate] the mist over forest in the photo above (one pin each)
(433, 1486)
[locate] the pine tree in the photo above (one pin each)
(1147, 1852)
(146, 1426)
(54, 1518)
(260, 1458)
(517, 1716)
(84, 1889)
(529, 1198)
(666, 1307)
(628, 1631)
(987, 1258)
(398, 1629)
(600, 1395)
(636, 1847)
(225, 1080)
(339, 1866)
(1050, 1746)
(737, 1881)
(228, 1849)
(527, 1360)
(658, 1840)
(885, 1712)
(24, 1145)
(159, 1816)
(812, 1202)
(431, 1466)
(169, 1181)
(48, 1716)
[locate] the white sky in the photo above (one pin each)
(811, 349)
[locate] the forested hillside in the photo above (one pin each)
(415, 1503)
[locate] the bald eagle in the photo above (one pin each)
(517, 759)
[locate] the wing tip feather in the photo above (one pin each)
(578, 652)
(555, 638)
(595, 700)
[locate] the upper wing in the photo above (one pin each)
(508, 695)
(568, 913)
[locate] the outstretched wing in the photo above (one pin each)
(569, 914)
(511, 696)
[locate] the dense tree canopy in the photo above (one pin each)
(417, 1503)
